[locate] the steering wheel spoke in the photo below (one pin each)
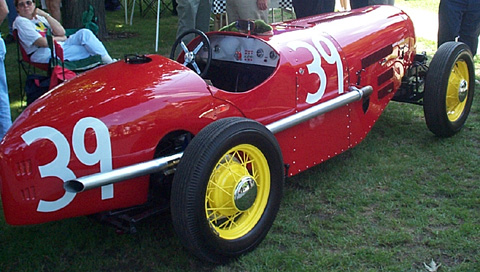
(195, 66)
(189, 56)
(184, 47)
(199, 46)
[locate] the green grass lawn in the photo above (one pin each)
(394, 202)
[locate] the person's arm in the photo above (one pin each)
(56, 27)
(3, 11)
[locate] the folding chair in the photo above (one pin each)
(56, 59)
(282, 5)
(151, 5)
(27, 65)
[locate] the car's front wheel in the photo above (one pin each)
(227, 189)
(449, 88)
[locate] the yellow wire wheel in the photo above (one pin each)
(237, 191)
(457, 90)
(227, 189)
(449, 89)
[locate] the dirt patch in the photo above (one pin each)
(113, 35)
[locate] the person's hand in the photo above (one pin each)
(40, 12)
(262, 4)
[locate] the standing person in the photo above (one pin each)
(32, 25)
(358, 3)
(247, 10)
(304, 8)
(193, 14)
(12, 14)
(363, 3)
(53, 7)
(344, 5)
(459, 18)
(5, 116)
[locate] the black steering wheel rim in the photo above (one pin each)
(190, 55)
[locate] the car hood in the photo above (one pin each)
(115, 88)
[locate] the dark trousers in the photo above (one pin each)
(304, 8)
(358, 3)
(459, 18)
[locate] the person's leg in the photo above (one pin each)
(12, 14)
(202, 18)
(233, 10)
(449, 20)
(247, 10)
(53, 7)
(5, 115)
(301, 8)
(358, 3)
(186, 15)
(325, 6)
(470, 26)
(83, 44)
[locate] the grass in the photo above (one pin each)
(429, 5)
(397, 200)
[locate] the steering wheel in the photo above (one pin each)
(190, 56)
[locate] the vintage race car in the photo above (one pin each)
(211, 135)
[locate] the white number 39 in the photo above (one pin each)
(58, 167)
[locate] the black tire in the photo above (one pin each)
(224, 155)
(449, 89)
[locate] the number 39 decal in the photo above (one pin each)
(58, 167)
(315, 67)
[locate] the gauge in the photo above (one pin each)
(273, 55)
(260, 53)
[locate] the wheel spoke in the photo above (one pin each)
(199, 46)
(194, 64)
(220, 206)
(184, 47)
(454, 105)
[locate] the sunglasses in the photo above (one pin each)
(25, 4)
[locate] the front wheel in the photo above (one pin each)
(227, 189)
(449, 88)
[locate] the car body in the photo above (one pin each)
(306, 93)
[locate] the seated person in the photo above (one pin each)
(32, 25)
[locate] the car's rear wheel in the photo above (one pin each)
(227, 189)
(449, 89)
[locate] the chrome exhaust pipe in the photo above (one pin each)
(156, 165)
(121, 174)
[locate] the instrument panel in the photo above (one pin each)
(245, 50)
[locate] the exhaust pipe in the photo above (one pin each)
(121, 174)
(156, 165)
(355, 94)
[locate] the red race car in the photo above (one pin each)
(212, 135)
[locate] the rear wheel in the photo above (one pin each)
(449, 89)
(227, 189)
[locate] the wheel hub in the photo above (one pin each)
(189, 56)
(233, 187)
(245, 193)
(462, 90)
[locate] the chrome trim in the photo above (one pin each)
(355, 94)
(156, 165)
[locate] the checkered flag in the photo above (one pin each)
(219, 6)
(285, 4)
